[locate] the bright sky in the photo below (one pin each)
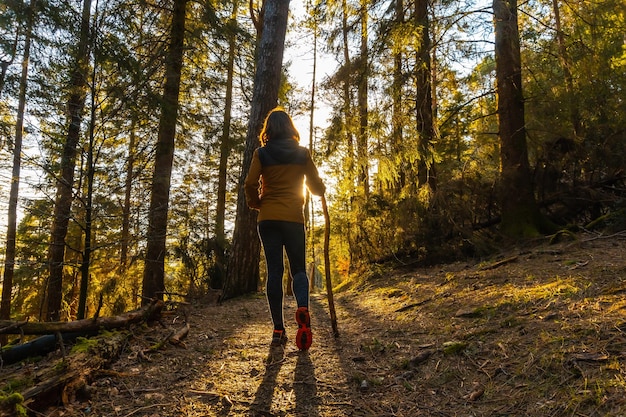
(299, 52)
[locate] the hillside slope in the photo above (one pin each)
(537, 331)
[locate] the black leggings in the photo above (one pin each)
(276, 235)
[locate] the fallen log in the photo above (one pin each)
(38, 347)
(147, 313)
(63, 380)
(68, 331)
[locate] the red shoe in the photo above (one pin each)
(279, 338)
(304, 337)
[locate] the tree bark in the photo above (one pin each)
(86, 256)
(567, 73)
(243, 262)
(362, 98)
(397, 107)
(65, 182)
(9, 260)
(347, 92)
(520, 215)
(225, 146)
(348, 115)
(309, 217)
(128, 186)
(424, 102)
(154, 270)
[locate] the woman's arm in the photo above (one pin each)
(313, 181)
(251, 185)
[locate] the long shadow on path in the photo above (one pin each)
(262, 404)
(305, 386)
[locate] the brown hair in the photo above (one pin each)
(278, 125)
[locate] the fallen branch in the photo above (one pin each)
(55, 333)
(413, 305)
(12, 326)
(147, 313)
(499, 263)
(618, 234)
(177, 338)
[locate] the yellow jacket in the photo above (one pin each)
(274, 184)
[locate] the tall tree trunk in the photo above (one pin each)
(424, 101)
(86, 260)
(243, 262)
(65, 182)
(347, 111)
(396, 97)
(308, 211)
(9, 260)
(520, 215)
(153, 285)
(125, 241)
(434, 80)
(128, 186)
(567, 73)
(362, 144)
(225, 146)
(347, 105)
(314, 15)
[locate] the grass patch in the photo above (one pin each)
(558, 288)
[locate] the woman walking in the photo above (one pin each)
(274, 187)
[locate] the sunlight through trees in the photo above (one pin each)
(138, 128)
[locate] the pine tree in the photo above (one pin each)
(243, 262)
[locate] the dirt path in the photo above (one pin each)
(228, 368)
(534, 332)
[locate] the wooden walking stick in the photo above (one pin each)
(329, 284)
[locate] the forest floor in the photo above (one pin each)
(535, 331)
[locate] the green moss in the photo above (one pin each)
(450, 348)
(391, 292)
(563, 235)
(16, 385)
(376, 346)
(6, 347)
(84, 345)
(612, 221)
(10, 399)
(60, 366)
(15, 399)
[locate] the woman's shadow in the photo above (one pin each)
(304, 385)
(262, 404)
